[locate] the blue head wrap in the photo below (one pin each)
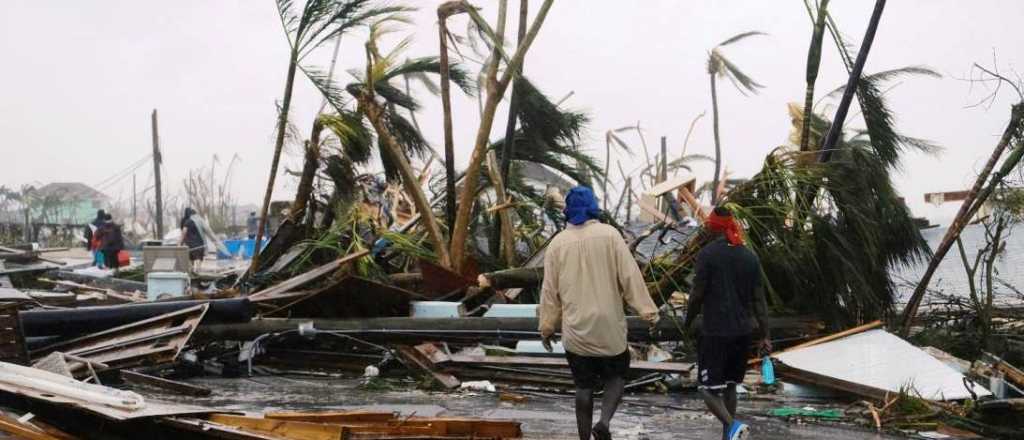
(581, 205)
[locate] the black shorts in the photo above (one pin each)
(590, 372)
(196, 254)
(722, 360)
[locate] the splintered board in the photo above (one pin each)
(148, 342)
(361, 425)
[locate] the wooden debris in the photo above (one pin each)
(166, 384)
(352, 297)
(31, 430)
(149, 342)
(299, 280)
(439, 281)
(12, 338)
(525, 277)
(416, 360)
(358, 425)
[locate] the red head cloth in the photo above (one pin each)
(727, 225)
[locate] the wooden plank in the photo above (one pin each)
(298, 430)
(167, 384)
(809, 378)
(299, 280)
(829, 338)
(439, 281)
(524, 361)
(1010, 372)
(339, 417)
(155, 340)
(433, 353)
(385, 422)
(209, 429)
(31, 431)
(671, 184)
(414, 359)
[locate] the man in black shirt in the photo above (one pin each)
(727, 291)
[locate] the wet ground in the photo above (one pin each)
(544, 416)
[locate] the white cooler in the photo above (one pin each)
(161, 285)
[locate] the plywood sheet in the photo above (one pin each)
(881, 360)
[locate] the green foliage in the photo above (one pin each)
(720, 66)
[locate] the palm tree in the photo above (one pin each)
(611, 137)
(813, 63)
(396, 136)
(720, 67)
(306, 29)
(495, 88)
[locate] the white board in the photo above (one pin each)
(879, 359)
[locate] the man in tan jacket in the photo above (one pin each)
(588, 273)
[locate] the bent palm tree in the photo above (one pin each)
(307, 29)
(720, 67)
(377, 101)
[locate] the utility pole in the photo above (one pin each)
(157, 161)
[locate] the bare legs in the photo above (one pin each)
(723, 407)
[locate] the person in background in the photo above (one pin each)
(111, 242)
(728, 292)
(588, 273)
(193, 239)
(92, 240)
(252, 225)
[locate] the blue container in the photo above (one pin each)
(767, 371)
(239, 247)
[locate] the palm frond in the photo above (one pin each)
(891, 74)
(353, 134)
(424, 65)
(329, 89)
(739, 37)
(743, 82)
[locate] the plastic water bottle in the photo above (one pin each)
(767, 371)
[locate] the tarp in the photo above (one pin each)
(881, 360)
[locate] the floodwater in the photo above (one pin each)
(544, 416)
(950, 277)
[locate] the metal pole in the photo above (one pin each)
(157, 161)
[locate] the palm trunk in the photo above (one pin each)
(461, 231)
(443, 12)
(309, 167)
(506, 243)
(813, 63)
(836, 129)
(975, 198)
(510, 131)
(718, 141)
(513, 106)
(607, 169)
(282, 126)
(375, 114)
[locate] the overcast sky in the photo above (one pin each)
(80, 78)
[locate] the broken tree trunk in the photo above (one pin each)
(506, 232)
(410, 182)
(309, 167)
(970, 206)
(523, 278)
(495, 90)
